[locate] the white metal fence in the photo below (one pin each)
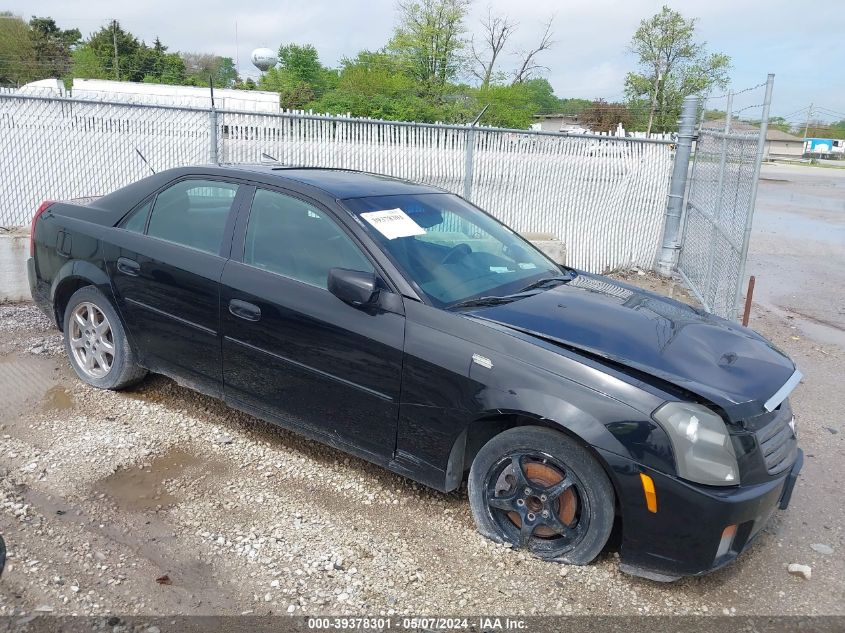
(604, 196)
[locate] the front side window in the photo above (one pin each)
(293, 238)
(450, 249)
(193, 213)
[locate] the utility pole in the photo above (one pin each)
(114, 40)
(807, 124)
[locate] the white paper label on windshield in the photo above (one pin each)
(393, 223)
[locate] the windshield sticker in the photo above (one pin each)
(500, 269)
(393, 223)
(527, 265)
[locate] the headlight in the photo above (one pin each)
(703, 449)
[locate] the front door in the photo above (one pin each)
(294, 351)
(165, 267)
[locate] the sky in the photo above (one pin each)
(802, 43)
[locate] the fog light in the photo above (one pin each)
(727, 541)
(650, 494)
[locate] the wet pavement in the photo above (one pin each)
(797, 249)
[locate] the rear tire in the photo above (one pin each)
(539, 489)
(96, 343)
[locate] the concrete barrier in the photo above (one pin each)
(554, 248)
(14, 251)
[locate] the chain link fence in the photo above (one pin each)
(603, 196)
(720, 205)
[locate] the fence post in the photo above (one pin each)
(674, 208)
(212, 136)
(761, 148)
(469, 152)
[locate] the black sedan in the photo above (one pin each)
(400, 323)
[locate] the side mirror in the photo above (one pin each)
(354, 287)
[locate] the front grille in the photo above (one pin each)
(777, 441)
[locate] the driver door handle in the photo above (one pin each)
(244, 310)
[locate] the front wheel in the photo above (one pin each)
(96, 342)
(540, 490)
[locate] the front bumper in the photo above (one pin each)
(682, 538)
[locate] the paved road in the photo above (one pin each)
(797, 248)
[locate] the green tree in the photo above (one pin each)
(18, 63)
(102, 45)
(374, 84)
(199, 67)
(672, 66)
(52, 46)
(429, 41)
(86, 64)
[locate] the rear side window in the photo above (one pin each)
(137, 220)
(193, 213)
(288, 236)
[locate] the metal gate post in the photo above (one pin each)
(761, 148)
(674, 208)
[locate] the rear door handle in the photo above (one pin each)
(128, 266)
(245, 310)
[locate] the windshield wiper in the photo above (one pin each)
(485, 301)
(546, 280)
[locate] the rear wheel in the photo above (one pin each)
(542, 491)
(96, 342)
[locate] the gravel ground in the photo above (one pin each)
(159, 500)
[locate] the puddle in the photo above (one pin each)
(24, 382)
(144, 487)
(57, 398)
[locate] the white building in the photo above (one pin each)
(164, 94)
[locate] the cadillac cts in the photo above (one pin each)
(402, 324)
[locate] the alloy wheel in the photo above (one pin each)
(535, 501)
(91, 340)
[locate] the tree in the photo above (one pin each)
(102, 45)
(529, 66)
(429, 41)
(199, 67)
(496, 31)
(673, 66)
(52, 46)
(18, 64)
(601, 116)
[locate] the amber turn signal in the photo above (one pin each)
(650, 494)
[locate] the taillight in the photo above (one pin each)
(41, 209)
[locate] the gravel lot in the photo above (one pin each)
(163, 501)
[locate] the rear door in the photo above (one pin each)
(165, 265)
(294, 351)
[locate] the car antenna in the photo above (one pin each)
(145, 160)
(265, 155)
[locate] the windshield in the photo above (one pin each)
(451, 251)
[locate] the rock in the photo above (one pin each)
(805, 571)
(223, 439)
(274, 583)
(291, 608)
(821, 548)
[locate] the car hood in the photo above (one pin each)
(729, 365)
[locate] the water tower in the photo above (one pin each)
(264, 58)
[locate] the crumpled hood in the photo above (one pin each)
(731, 366)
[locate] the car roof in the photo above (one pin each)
(339, 183)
